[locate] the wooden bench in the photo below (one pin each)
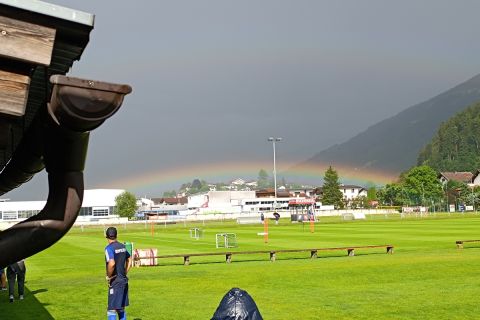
(273, 253)
(461, 242)
(314, 252)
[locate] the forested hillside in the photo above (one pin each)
(456, 146)
(393, 145)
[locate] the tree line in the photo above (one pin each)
(456, 145)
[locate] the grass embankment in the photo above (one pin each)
(426, 277)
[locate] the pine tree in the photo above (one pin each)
(331, 189)
(263, 179)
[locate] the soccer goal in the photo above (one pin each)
(196, 233)
(226, 240)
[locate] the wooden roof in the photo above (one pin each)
(72, 34)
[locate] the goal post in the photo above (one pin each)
(196, 233)
(226, 240)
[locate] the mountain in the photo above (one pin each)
(393, 144)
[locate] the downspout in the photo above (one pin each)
(58, 141)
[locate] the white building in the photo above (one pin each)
(476, 178)
(252, 184)
(97, 204)
(218, 201)
(236, 202)
(19, 210)
(351, 192)
(238, 182)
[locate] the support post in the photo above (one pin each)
(272, 256)
(265, 231)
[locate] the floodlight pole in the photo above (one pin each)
(273, 140)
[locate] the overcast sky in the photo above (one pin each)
(213, 79)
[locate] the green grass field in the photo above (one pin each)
(426, 277)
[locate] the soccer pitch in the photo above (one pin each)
(425, 278)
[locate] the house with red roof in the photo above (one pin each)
(462, 176)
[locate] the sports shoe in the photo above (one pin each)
(21, 297)
(11, 298)
(4, 288)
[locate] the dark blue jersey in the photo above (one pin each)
(117, 252)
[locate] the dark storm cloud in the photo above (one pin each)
(213, 79)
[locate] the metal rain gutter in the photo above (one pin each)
(58, 142)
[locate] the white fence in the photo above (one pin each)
(213, 217)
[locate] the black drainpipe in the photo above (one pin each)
(58, 142)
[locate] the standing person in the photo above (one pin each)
(117, 265)
(16, 271)
(277, 217)
(3, 280)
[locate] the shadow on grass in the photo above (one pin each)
(469, 247)
(29, 308)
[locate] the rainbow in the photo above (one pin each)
(164, 179)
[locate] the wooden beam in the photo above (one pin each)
(13, 92)
(26, 41)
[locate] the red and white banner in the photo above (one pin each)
(301, 202)
(145, 257)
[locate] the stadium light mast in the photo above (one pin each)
(273, 140)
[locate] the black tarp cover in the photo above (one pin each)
(237, 304)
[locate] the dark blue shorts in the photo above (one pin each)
(118, 296)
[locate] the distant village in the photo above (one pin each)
(239, 197)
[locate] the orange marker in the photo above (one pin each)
(265, 231)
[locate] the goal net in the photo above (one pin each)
(226, 240)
